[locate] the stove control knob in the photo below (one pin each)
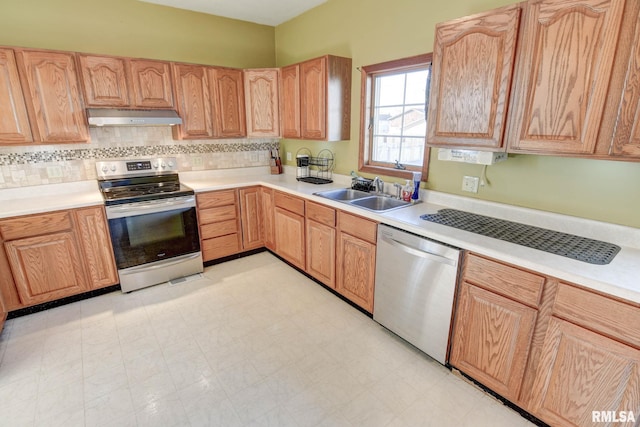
(155, 165)
(163, 165)
(113, 168)
(170, 164)
(105, 169)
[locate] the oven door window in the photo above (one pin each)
(146, 238)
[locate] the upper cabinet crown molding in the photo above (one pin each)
(472, 70)
(52, 96)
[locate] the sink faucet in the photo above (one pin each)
(398, 190)
(379, 184)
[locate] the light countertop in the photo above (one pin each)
(620, 278)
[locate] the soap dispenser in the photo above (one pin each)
(407, 191)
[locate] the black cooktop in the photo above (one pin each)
(142, 188)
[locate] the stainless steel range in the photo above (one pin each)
(152, 221)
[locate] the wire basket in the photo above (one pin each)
(314, 169)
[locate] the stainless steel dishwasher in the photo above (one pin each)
(415, 286)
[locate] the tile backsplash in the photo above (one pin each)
(23, 166)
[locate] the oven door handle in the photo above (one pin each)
(120, 211)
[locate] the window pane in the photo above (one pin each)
(388, 121)
(416, 87)
(385, 149)
(390, 90)
(412, 151)
(414, 122)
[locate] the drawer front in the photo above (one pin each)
(35, 225)
(216, 198)
(615, 319)
(223, 213)
(220, 247)
(505, 280)
(322, 214)
(218, 229)
(358, 227)
(290, 203)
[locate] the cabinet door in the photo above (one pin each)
(563, 74)
(228, 107)
(104, 80)
(193, 102)
(151, 84)
(356, 266)
(268, 220)
(46, 268)
(472, 72)
(53, 96)
(3, 314)
(582, 371)
(96, 247)
(289, 233)
(313, 96)
(291, 101)
(321, 252)
(262, 102)
(491, 339)
(14, 120)
(251, 217)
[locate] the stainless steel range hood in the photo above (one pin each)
(121, 117)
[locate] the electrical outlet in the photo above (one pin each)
(54, 171)
(288, 156)
(470, 184)
(197, 162)
(253, 157)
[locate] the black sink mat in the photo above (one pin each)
(554, 242)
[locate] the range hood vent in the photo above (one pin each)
(121, 117)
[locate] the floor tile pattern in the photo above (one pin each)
(251, 343)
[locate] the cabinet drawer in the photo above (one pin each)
(223, 213)
(290, 203)
(322, 214)
(615, 319)
(503, 279)
(358, 226)
(28, 226)
(216, 198)
(220, 247)
(218, 229)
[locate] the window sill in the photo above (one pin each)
(379, 170)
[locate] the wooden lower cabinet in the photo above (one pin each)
(289, 234)
(93, 234)
(584, 372)
(321, 243)
(268, 219)
(356, 259)
(251, 218)
(219, 221)
(3, 313)
(46, 267)
(492, 339)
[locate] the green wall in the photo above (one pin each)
(137, 29)
(372, 31)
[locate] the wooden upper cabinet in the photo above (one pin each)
(228, 94)
(104, 80)
(313, 96)
(14, 119)
(291, 101)
(150, 84)
(563, 75)
(193, 102)
(52, 95)
(316, 99)
(262, 102)
(472, 70)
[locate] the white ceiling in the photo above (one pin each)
(267, 12)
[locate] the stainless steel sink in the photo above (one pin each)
(362, 199)
(343, 194)
(380, 203)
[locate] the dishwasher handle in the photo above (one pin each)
(419, 252)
